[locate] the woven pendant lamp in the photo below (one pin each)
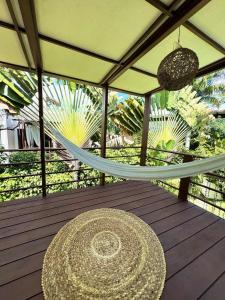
(178, 68)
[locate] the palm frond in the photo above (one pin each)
(70, 111)
(167, 130)
(118, 140)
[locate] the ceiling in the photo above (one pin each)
(109, 42)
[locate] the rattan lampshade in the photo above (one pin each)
(104, 254)
(178, 69)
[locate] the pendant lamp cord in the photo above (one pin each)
(179, 35)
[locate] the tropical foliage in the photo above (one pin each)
(167, 128)
(128, 116)
(25, 180)
(68, 109)
(190, 107)
(167, 132)
(10, 94)
(211, 88)
(75, 109)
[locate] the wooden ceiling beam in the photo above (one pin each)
(140, 41)
(61, 76)
(165, 9)
(75, 48)
(89, 53)
(207, 69)
(204, 37)
(79, 80)
(181, 15)
(16, 27)
(29, 19)
(160, 6)
(15, 67)
(213, 67)
(143, 72)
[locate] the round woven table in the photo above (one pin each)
(104, 254)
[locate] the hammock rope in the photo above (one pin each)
(140, 172)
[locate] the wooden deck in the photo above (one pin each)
(193, 240)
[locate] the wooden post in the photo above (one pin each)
(23, 136)
(185, 182)
(144, 139)
(42, 132)
(104, 127)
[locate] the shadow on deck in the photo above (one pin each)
(193, 239)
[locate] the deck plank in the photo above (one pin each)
(30, 248)
(171, 238)
(197, 276)
(22, 288)
(172, 221)
(37, 297)
(184, 253)
(54, 208)
(74, 194)
(40, 244)
(21, 267)
(216, 291)
(69, 192)
(64, 212)
(193, 239)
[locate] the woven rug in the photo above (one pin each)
(104, 254)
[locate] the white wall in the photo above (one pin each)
(8, 138)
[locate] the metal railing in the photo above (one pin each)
(38, 174)
(186, 189)
(193, 189)
(82, 177)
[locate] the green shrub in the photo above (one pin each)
(32, 182)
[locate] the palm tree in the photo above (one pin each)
(128, 116)
(75, 110)
(195, 112)
(11, 93)
(211, 88)
(190, 107)
(167, 132)
(71, 107)
(72, 112)
(166, 129)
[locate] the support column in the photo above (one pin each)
(104, 127)
(185, 182)
(145, 128)
(42, 132)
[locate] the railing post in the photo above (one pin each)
(104, 127)
(42, 132)
(185, 182)
(144, 139)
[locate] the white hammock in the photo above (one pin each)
(139, 172)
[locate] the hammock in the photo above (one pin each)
(140, 172)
